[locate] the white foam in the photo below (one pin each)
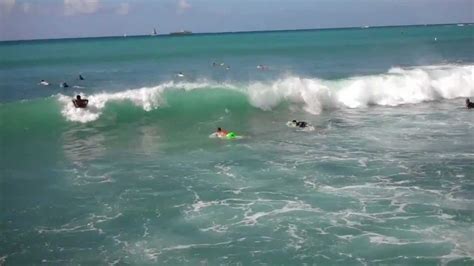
(396, 87)
(380, 239)
(296, 241)
(148, 98)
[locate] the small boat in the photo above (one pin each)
(154, 33)
(182, 32)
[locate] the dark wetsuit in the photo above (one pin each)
(469, 104)
(301, 124)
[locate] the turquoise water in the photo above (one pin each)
(384, 174)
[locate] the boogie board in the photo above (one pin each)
(231, 135)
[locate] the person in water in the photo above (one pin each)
(64, 85)
(80, 103)
(300, 124)
(221, 132)
(81, 77)
(44, 82)
(469, 104)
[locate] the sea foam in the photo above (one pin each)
(396, 87)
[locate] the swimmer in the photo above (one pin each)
(80, 103)
(262, 67)
(221, 133)
(81, 77)
(300, 124)
(469, 104)
(64, 85)
(44, 83)
(180, 74)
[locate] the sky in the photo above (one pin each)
(46, 19)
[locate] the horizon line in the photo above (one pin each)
(365, 27)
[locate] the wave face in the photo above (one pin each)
(148, 98)
(396, 87)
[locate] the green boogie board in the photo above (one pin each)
(231, 135)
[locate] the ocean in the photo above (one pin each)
(382, 175)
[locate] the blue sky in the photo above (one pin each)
(43, 19)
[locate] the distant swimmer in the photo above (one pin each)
(180, 74)
(214, 64)
(224, 134)
(221, 132)
(300, 124)
(80, 103)
(81, 77)
(44, 83)
(262, 67)
(64, 85)
(227, 68)
(469, 104)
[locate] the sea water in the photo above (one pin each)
(384, 175)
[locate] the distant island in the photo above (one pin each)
(182, 32)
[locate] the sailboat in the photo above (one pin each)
(154, 33)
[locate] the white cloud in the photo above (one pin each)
(6, 6)
(123, 9)
(72, 7)
(183, 5)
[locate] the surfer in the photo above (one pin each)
(301, 124)
(469, 104)
(80, 103)
(44, 83)
(221, 132)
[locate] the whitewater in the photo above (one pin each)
(383, 174)
(396, 87)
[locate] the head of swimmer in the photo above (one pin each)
(78, 97)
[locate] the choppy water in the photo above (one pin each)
(385, 175)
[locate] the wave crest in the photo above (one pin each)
(396, 87)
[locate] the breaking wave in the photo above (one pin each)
(396, 87)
